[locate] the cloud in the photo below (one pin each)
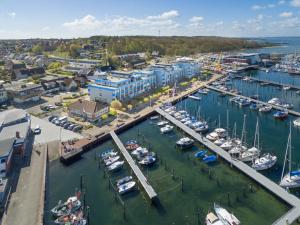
(269, 6)
(196, 21)
(46, 28)
(164, 16)
(282, 2)
(295, 3)
(86, 22)
(286, 14)
(12, 14)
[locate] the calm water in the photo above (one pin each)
(200, 190)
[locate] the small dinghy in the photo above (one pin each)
(200, 154)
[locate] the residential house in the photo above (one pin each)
(21, 92)
(52, 84)
(70, 84)
(3, 93)
(89, 110)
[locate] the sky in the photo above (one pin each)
(84, 18)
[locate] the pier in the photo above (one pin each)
(292, 215)
(292, 112)
(274, 83)
(135, 169)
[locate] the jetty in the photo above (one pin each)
(270, 82)
(135, 169)
(292, 215)
(292, 112)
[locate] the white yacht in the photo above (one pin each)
(296, 122)
(226, 217)
(264, 162)
(124, 188)
(265, 108)
(227, 145)
(292, 178)
(185, 142)
(216, 134)
(140, 151)
(166, 129)
(220, 141)
(274, 101)
(162, 123)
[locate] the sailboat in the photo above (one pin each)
(253, 152)
(239, 148)
(292, 178)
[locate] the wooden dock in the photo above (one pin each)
(135, 169)
(292, 112)
(274, 83)
(292, 200)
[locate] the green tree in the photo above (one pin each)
(37, 49)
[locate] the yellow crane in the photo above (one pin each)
(218, 65)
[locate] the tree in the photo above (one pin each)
(74, 50)
(55, 65)
(37, 49)
(116, 104)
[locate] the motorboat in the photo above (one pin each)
(285, 88)
(166, 129)
(131, 145)
(154, 117)
(216, 134)
(162, 123)
(292, 178)
(237, 150)
(287, 105)
(202, 129)
(127, 187)
(200, 154)
(209, 158)
(296, 122)
(115, 166)
(220, 141)
(244, 102)
(227, 145)
(185, 142)
(169, 109)
(110, 161)
(226, 217)
(147, 161)
(107, 153)
(140, 151)
(274, 101)
(213, 136)
(281, 114)
(68, 207)
(203, 91)
(123, 180)
(249, 155)
(212, 219)
(265, 108)
(194, 97)
(264, 162)
(72, 219)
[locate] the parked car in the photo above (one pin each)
(76, 129)
(37, 130)
(67, 124)
(71, 126)
(51, 107)
(52, 118)
(62, 123)
(58, 104)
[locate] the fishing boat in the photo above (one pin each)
(200, 154)
(162, 123)
(194, 97)
(209, 158)
(127, 187)
(70, 206)
(123, 180)
(292, 178)
(281, 114)
(296, 122)
(166, 129)
(148, 160)
(226, 217)
(264, 162)
(112, 160)
(212, 219)
(185, 142)
(115, 166)
(252, 153)
(265, 108)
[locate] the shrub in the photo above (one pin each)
(104, 116)
(116, 104)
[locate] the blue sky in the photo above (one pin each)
(74, 18)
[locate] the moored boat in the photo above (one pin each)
(127, 187)
(166, 129)
(70, 206)
(264, 162)
(123, 180)
(115, 166)
(185, 142)
(226, 217)
(148, 161)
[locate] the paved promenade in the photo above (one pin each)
(290, 216)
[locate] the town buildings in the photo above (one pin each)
(88, 110)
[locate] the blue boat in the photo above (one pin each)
(200, 154)
(253, 106)
(210, 158)
(295, 173)
(281, 114)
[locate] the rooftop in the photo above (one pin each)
(6, 145)
(12, 115)
(86, 106)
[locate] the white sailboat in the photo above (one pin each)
(292, 178)
(226, 217)
(239, 148)
(253, 152)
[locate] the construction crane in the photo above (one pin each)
(218, 66)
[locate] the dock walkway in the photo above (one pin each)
(290, 216)
(274, 83)
(292, 112)
(136, 170)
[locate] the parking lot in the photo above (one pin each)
(51, 132)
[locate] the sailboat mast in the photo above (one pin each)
(287, 152)
(243, 130)
(227, 121)
(290, 149)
